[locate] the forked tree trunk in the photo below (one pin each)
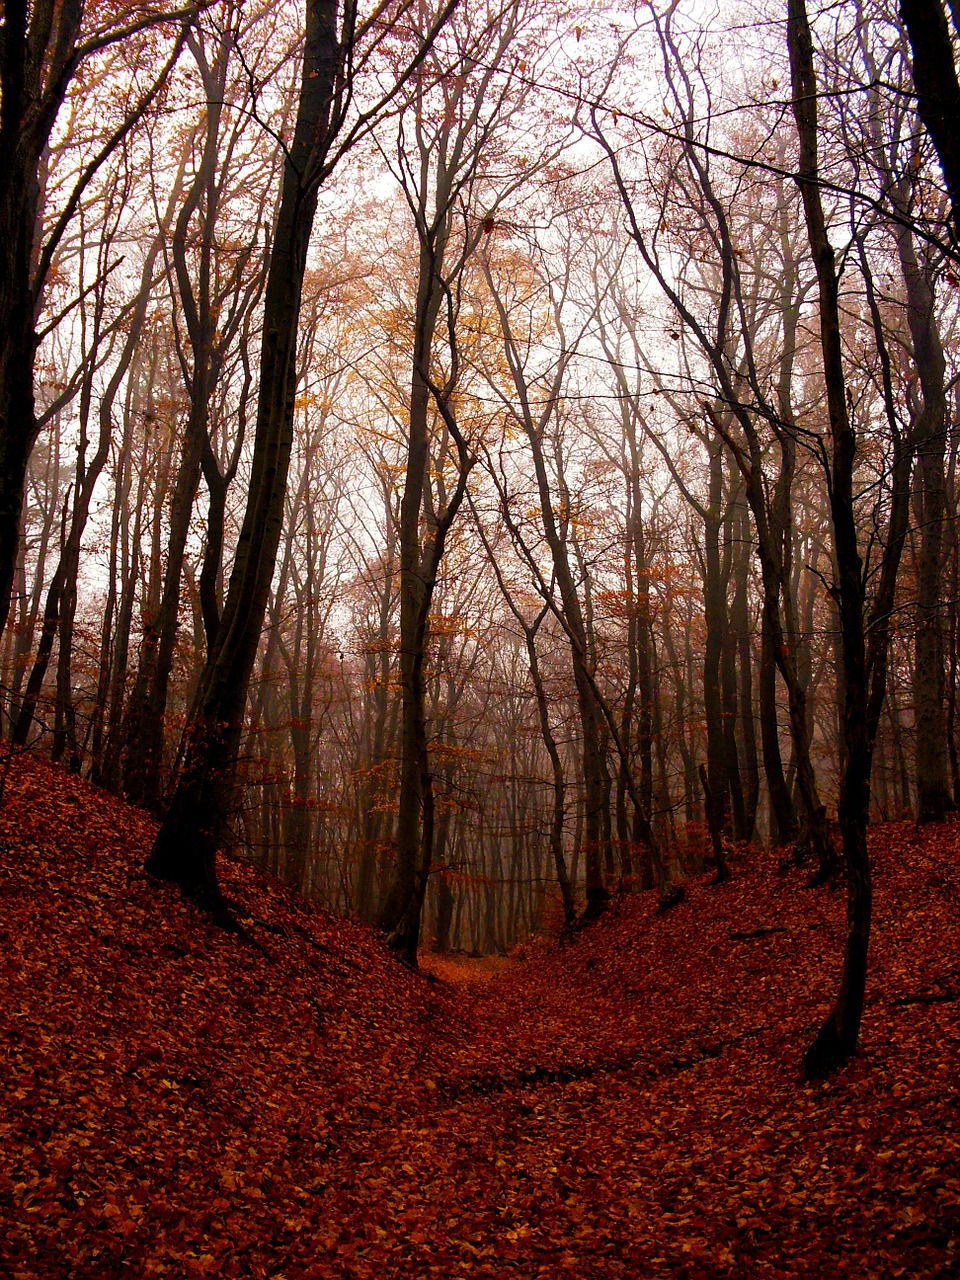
(403, 905)
(186, 845)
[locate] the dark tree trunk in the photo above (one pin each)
(404, 903)
(934, 796)
(378, 667)
(953, 632)
(186, 845)
(144, 750)
(783, 820)
(646, 695)
(445, 904)
(715, 612)
(559, 790)
(938, 89)
(743, 631)
(837, 1038)
(420, 560)
(728, 682)
(143, 771)
(107, 762)
(716, 831)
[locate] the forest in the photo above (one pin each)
(478, 461)
(480, 609)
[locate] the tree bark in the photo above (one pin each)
(743, 632)
(186, 845)
(715, 615)
(938, 89)
(837, 1039)
(934, 796)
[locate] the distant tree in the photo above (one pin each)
(747, 426)
(445, 144)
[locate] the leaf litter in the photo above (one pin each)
(181, 1103)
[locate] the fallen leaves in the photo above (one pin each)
(178, 1103)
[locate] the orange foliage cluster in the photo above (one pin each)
(183, 1102)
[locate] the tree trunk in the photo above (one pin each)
(837, 1038)
(934, 797)
(783, 820)
(716, 831)
(186, 845)
(938, 89)
(715, 611)
(402, 909)
(743, 632)
(559, 791)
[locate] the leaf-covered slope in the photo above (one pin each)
(169, 1086)
(179, 1102)
(660, 1057)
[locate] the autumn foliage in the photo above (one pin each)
(181, 1101)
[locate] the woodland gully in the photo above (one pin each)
(476, 459)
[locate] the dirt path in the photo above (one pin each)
(631, 1106)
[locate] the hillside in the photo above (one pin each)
(179, 1102)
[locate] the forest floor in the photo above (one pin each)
(175, 1101)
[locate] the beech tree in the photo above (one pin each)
(446, 141)
(186, 845)
(42, 48)
(837, 1037)
(217, 279)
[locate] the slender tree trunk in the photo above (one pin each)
(559, 813)
(445, 905)
(783, 822)
(108, 771)
(646, 696)
(30, 611)
(953, 638)
(715, 606)
(716, 831)
(837, 1038)
(378, 681)
(144, 758)
(743, 631)
(934, 797)
(419, 564)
